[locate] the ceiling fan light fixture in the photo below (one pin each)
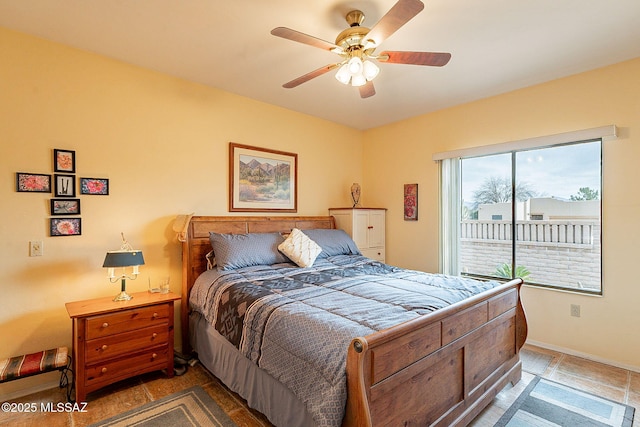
(343, 75)
(356, 46)
(369, 70)
(358, 80)
(355, 65)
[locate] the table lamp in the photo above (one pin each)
(123, 258)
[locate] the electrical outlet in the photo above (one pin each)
(575, 310)
(35, 248)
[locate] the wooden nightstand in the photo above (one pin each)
(117, 340)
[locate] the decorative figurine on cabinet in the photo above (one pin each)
(355, 194)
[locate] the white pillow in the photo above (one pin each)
(300, 249)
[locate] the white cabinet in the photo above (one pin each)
(366, 228)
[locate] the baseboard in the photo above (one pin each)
(583, 355)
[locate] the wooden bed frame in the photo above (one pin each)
(441, 369)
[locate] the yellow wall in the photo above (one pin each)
(607, 328)
(163, 144)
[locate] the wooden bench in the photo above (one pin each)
(26, 365)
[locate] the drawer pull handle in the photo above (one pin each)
(104, 347)
(154, 335)
(105, 324)
(154, 355)
(155, 315)
(370, 227)
(104, 370)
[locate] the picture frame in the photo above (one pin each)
(33, 182)
(65, 206)
(64, 160)
(411, 202)
(65, 185)
(94, 186)
(262, 180)
(65, 227)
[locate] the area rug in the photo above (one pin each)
(547, 403)
(190, 407)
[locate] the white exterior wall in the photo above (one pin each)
(550, 208)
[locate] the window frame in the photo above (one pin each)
(450, 212)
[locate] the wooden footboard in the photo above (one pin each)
(441, 369)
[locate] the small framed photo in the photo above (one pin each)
(65, 185)
(97, 186)
(65, 206)
(65, 226)
(64, 161)
(33, 183)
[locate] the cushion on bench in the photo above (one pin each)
(35, 363)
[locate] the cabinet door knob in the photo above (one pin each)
(154, 355)
(155, 315)
(105, 324)
(103, 370)
(154, 335)
(104, 347)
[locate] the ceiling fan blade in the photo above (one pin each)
(396, 17)
(367, 90)
(434, 59)
(297, 36)
(312, 75)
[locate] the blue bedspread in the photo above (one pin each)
(297, 323)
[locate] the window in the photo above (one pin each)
(533, 213)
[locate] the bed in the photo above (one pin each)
(434, 368)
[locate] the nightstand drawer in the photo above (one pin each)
(109, 372)
(125, 343)
(126, 320)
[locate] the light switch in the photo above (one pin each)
(35, 248)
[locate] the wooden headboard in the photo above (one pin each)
(196, 245)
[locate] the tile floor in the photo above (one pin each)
(608, 381)
(604, 380)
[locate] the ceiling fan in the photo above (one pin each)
(356, 46)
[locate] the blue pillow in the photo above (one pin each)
(244, 250)
(333, 242)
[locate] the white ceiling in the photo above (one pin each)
(496, 46)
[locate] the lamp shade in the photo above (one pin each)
(358, 80)
(123, 259)
(355, 65)
(343, 75)
(370, 70)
